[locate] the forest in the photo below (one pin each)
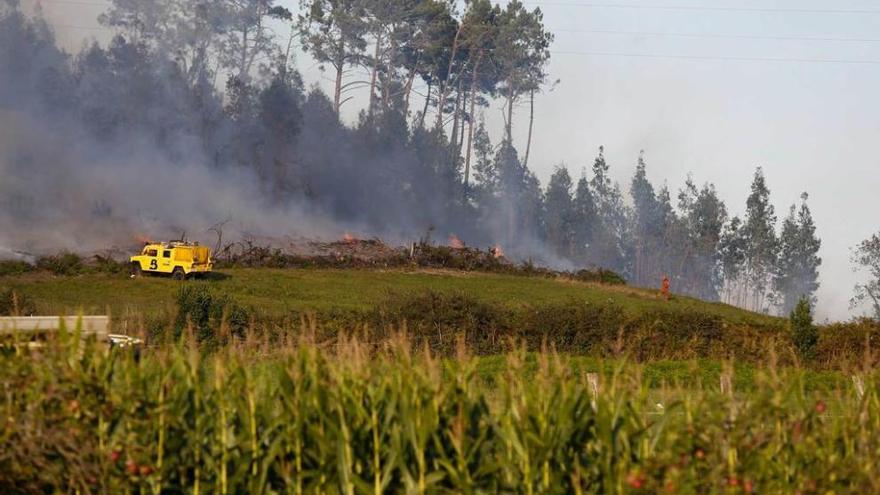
(205, 105)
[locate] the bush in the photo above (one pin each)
(438, 319)
(848, 343)
(208, 312)
(571, 327)
(804, 335)
(601, 276)
(14, 267)
(62, 264)
(14, 303)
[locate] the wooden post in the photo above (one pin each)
(860, 386)
(593, 382)
(726, 382)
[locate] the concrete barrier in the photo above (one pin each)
(29, 325)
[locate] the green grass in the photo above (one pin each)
(277, 292)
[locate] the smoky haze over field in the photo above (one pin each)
(809, 125)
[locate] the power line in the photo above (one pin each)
(77, 2)
(596, 5)
(88, 28)
(720, 58)
(701, 8)
(721, 36)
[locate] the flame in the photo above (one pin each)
(141, 239)
(497, 251)
(455, 242)
(348, 238)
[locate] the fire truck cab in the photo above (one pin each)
(178, 258)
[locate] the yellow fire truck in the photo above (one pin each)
(180, 259)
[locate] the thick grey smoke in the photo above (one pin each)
(61, 190)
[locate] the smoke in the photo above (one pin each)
(108, 147)
(62, 190)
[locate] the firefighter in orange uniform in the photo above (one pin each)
(665, 288)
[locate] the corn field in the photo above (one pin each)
(347, 419)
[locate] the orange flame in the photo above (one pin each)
(455, 242)
(141, 239)
(497, 251)
(348, 238)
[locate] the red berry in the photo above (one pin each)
(146, 470)
(115, 455)
(820, 407)
(748, 487)
(732, 482)
(131, 468)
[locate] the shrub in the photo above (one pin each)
(438, 318)
(14, 267)
(804, 335)
(207, 312)
(62, 264)
(13, 303)
(600, 275)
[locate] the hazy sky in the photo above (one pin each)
(704, 105)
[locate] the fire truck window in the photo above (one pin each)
(151, 252)
(166, 254)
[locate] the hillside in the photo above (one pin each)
(278, 292)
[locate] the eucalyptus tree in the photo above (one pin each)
(648, 226)
(732, 249)
(704, 216)
(610, 234)
(759, 231)
(559, 212)
(585, 219)
(797, 271)
(866, 258)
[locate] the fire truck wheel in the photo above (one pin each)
(178, 274)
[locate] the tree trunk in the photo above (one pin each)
(470, 139)
(444, 84)
(531, 125)
(407, 91)
(375, 72)
(456, 113)
(508, 126)
(339, 63)
(425, 109)
(243, 55)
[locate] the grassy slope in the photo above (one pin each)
(279, 291)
